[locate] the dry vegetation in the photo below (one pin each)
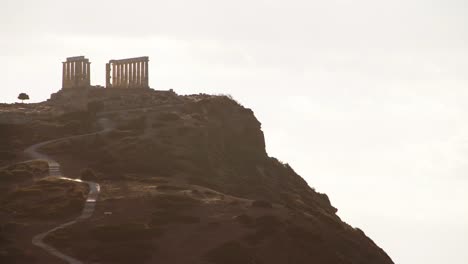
(46, 198)
(184, 180)
(28, 199)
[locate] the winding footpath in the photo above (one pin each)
(54, 171)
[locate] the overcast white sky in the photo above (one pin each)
(365, 99)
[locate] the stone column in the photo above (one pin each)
(88, 73)
(138, 73)
(68, 73)
(122, 75)
(73, 74)
(84, 74)
(146, 82)
(67, 82)
(121, 72)
(79, 73)
(64, 72)
(126, 75)
(113, 69)
(130, 74)
(117, 75)
(134, 83)
(108, 75)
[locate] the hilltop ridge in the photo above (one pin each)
(195, 163)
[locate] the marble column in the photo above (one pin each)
(126, 75)
(117, 75)
(68, 74)
(79, 73)
(120, 70)
(146, 82)
(88, 73)
(114, 74)
(134, 83)
(130, 74)
(108, 75)
(64, 72)
(138, 74)
(121, 73)
(73, 74)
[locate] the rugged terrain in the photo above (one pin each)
(185, 179)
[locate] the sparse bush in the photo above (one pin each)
(47, 198)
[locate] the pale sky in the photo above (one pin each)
(365, 99)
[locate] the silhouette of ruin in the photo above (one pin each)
(76, 73)
(127, 73)
(123, 73)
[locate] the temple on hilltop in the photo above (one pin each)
(76, 73)
(123, 73)
(127, 73)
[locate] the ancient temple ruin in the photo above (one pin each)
(127, 73)
(76, 73)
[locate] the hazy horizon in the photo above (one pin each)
(366, 100)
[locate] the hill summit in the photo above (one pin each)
(186, 179)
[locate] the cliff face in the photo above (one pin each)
(214, 142)
(233, 142)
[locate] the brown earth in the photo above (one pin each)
(186, 179)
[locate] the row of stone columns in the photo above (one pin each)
(76, 72)
(127, 73)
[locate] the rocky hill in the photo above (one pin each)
(186, 179)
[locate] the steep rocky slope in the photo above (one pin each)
(214, 142)
(186, 179)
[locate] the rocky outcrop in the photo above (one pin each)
(214, 142)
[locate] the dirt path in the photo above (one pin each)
(54, 171)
